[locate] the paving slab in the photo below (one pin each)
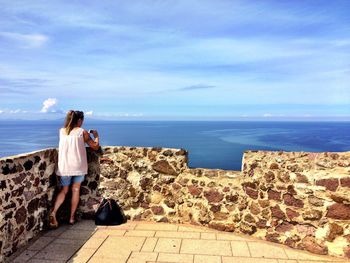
(240, 249)
(208, 235)
(77, 234)
(231, 236)
(140, 257)
(41, 243)
(25, 256)
(82, 256)
(176, 258)
(168, 245)
(206, 247)
(159, 226)
(248, 260)
(57, 252)
(149, 244)
(34, 260)
(104, 233)
(94, 242)
(303, 255)
(55, 232)
(178, 234)
(206, 259)
(139, 233)
(263, 250)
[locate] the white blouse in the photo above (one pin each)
(72, 159)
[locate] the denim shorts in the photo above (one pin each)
(67, 180)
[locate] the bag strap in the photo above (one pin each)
(108, 201)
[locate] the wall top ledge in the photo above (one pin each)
(299, 152)
(106, 147)
(23, 155)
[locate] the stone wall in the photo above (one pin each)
(302, 199)
(27, 184)
(124, 173)
(297, 199)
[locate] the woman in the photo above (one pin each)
(72, 161)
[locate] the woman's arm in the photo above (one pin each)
(94, 144)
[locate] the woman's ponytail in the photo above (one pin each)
(72, 120)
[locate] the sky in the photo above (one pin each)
(175, 60)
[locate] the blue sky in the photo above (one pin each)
(175, 60)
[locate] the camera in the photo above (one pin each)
(91, 131)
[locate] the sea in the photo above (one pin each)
(211, 144)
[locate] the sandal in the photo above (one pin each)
(53, 221)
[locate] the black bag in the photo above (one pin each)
(109, 213)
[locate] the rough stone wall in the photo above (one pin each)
(27, 184)
(302, 198)
(297, 199)
(124, 173)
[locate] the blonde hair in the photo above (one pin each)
(72, 120)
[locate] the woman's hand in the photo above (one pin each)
(95, 133)
(94, 144)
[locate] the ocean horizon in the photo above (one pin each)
(211, 144)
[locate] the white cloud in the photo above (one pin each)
(266, 115)
(89, 113)
(15, 111)
(8, 111)
(26, 40)
(49, 105)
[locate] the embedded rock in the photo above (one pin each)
(292, 201)
(164, 167)
(329, 184)
(339, 211)
(311, 245)
(334, 231)
(312, 215)
(213, 196)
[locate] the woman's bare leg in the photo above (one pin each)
(59, 200)
(75, 200)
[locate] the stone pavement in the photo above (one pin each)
(148, 242)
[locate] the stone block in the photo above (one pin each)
(274, 195)
(164, 167)
(345, 182)
(194, 190)
(284, 227)
(339, 211)
(292, 213)
(213, 196)
(330, 184)
(222, 226)
(312, 215)
(277, 212)
(292, 201)
(252, 193)
(334, 231)
(310, 244)
(313, 200)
